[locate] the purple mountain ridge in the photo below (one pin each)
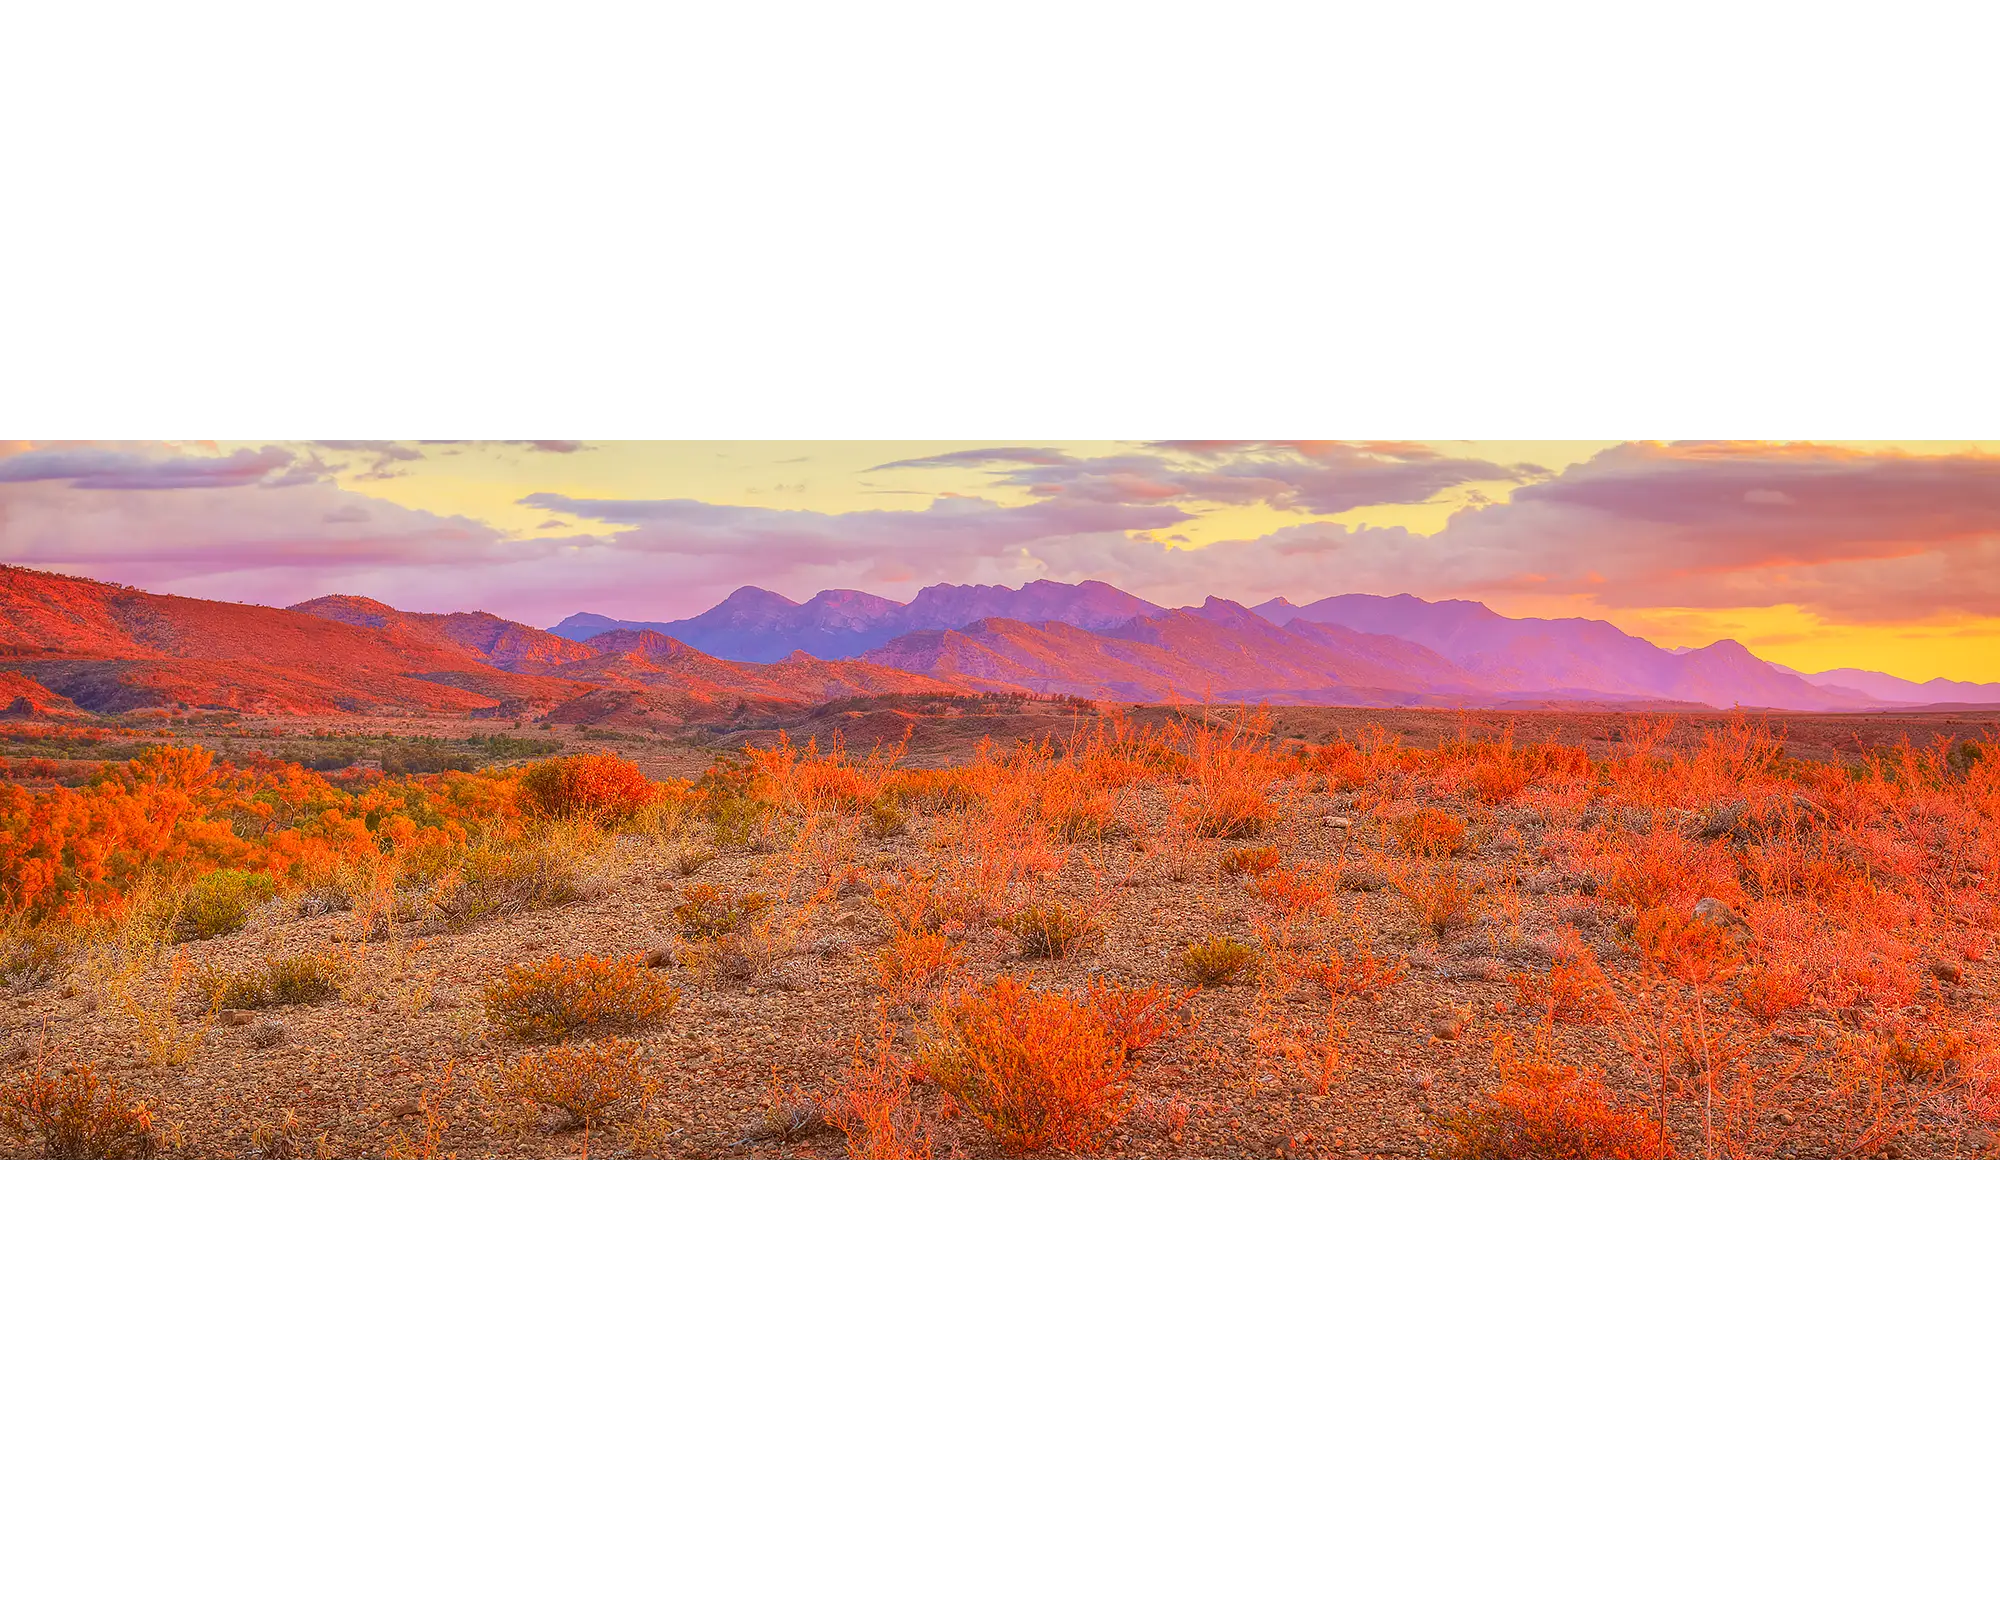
(1091, 638)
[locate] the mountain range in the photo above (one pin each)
(1464, 651)
(70, 644)
(837, 624)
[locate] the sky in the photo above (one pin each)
(1815, 554)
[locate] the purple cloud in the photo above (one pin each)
(1317, 477)
(98, 468)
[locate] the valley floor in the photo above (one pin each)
(1625, 938)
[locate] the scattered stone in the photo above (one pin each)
(1746, 821)
(1340, 824)
(661, 957)
(1947, 972)
(785, 977)
(238, 1019)
(1717, 915)
(788, 1125)
(1783, 1118)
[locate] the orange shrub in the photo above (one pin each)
(1658, 867)
(1573, 990)
(586, 1083)
(874, 1107)
(71, 1116)
(1254, 861)
(913, 960)
(1498, 781)
(1137, 1019)
(1770, 992)
(1039, 1068)
(604, 788)
(1232, 809)
(1443, 900)
(1544, 1109)
(1293, 891)
(1685, 946)
(559, 998)
(1430, 833)
(1360, 974)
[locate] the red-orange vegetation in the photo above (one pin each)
(1137, 1019)
(1430, 833)
(605, 789)
(1547, 1109)
(1250, 860)
(1574, 989)
(586, 1083)
(913, 960)
(1687, 947)
(1771, 992)
(1040, 1068)
(560, 998)
(70, 1115)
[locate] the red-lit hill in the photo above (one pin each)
(1215, 652)
(114, 649)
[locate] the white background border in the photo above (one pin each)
(1087, 221)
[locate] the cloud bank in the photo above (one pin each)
(1846, 535)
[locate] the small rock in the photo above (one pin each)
(1340, 824)
(659, 958)
(1947, 972)
(238, 1019)
(1783, 1118)
(1717, 915)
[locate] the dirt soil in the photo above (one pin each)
(408, 1049)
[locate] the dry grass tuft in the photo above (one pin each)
(708, 913)
(560, 999)
(301, 980)
(588, 1084)
(1253, 861)
(70, 1115)
(1054, 931)
(1214, 962)
(219, 903)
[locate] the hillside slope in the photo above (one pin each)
(113, 649)
(1218, 651)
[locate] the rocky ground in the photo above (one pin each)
(1270, 1065)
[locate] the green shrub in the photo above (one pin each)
(219, 903)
